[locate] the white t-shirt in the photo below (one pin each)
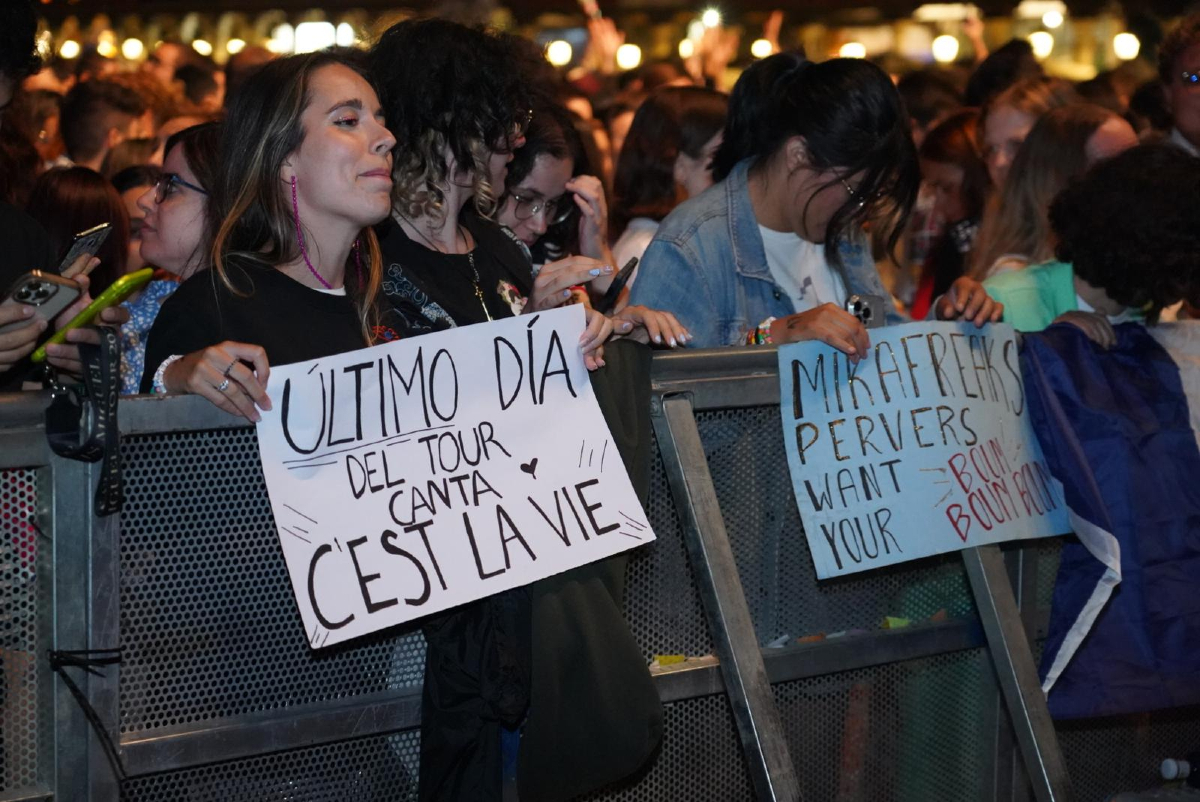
(634, 241)
(799, 268)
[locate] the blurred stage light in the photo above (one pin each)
(711, 18)
(1042, 43)
(346, 36)
(629, 56)
(283, 39)
(235, 46)
(1126, 46)
(853, 50)
(132, 49)
(945, 49)
(69, 49)
(1053, 18)
(314, 36)
(761, 48)
(559, 53)
(687, 48)
(202, 46)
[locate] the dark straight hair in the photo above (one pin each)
(852, 120)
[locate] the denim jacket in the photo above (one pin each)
(707, 266)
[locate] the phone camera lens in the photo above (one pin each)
(35, 293)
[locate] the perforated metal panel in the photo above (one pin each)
(377, 769)
(749, 469)
(1123, 753)
(662, 605)
(208, 620)
(701, 759)
(904, 731)
(24, 730)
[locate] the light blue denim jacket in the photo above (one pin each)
(707, 266)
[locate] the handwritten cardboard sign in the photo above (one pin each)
(421, 474)
(923, 447)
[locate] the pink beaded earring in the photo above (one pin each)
(300, 240)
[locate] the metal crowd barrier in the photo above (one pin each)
(218, 696)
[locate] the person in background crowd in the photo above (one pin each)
(162, 101)
(1179, 70)
(618, 117)
(279, 294)
(20, 163)
(1102, 91)
(1063, 144)
(200, 87)
(169, 223)
(91, 66)
(1011, 115)
(131, 183)
(241, 66)
(811, 152)
(667, 159)
(97, 115)
(954, 170)
(55, 76)
(556, 211)
(929, 96)
(1007, 65)
(1128, 238)
(67, 200)
(39, 113)
(167, 57)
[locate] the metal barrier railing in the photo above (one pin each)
(219, 697)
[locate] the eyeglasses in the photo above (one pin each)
(556, 210)
(165, 187)
(1191, 79)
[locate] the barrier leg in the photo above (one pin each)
(1015, 670)
(720, 587)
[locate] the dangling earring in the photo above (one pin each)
(358, 262)
(300, 240)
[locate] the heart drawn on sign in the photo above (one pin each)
(530, 467)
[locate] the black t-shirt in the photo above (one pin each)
(433, 291)
(292, 322)
(26, 247)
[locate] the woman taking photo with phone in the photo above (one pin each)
(295, 266)
(811, 153)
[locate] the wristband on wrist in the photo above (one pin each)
(762, 334)
(159, 386)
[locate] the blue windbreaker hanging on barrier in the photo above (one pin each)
(1119, 431)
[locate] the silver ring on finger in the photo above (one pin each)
(223, 386)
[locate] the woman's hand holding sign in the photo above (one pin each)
(827, 323)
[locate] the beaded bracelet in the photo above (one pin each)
(159, 385)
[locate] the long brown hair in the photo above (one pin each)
(1054, 153)
(254, 210)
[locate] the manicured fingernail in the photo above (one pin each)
(26, 311)
(607, 269)
(672, 341)
(595, 271)
(566, 293)
(658, 338)
(625, 326)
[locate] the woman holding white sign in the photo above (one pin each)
(295, 262)
(811, 154)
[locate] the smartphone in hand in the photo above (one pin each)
(88, 241)
(47, 293)
(606, 304)
(120, 289)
